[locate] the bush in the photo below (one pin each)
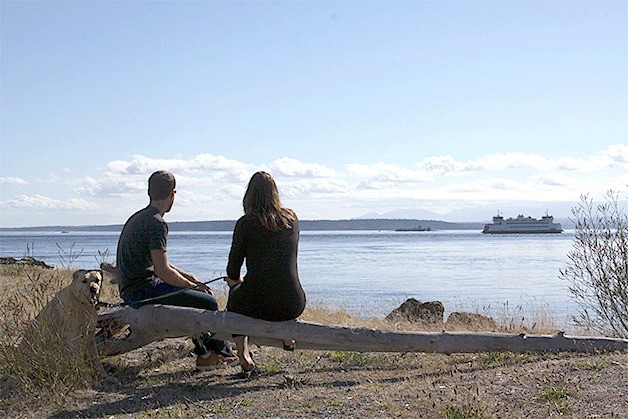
(598, 265)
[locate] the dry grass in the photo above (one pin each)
(37, 362)
(159, 380)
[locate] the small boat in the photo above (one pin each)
(64, 232)
(522, 225)
(419, 228)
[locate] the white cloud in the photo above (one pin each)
(492, 162)
(552, 179)
(199, 164)
(307, 187)
(502, 184)
(374, 184)
(294, 168)
(230, 192)
(616, 154)
(439, 164)
(109, 185)
(209, 162)
(203, 170)
(44, 202)
(12, 181)
(146, 165)
(572, 163)
(387, 174)
(197, 199)
(612, 156)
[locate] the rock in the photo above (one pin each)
(471, 321)
(28, 261)
(416, 311)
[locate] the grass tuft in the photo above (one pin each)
(552, 393)
(594, 366)
(358, 358)
(453, 412)
(557, 398)
(291, 382)
(505, 357)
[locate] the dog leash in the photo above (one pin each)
(158, 297)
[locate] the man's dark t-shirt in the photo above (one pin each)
(146, 230)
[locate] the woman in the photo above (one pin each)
(267, 237)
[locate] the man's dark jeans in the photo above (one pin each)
(182, 298)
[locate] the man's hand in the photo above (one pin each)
(205, 288)
(191, 278)
(170, 273)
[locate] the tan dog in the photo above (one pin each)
(71, 318)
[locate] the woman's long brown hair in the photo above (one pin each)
(261, 200)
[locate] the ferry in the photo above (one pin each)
(522, 224)
(419, 228)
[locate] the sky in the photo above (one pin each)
(356, 108)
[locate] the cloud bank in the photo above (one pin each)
(211, 186)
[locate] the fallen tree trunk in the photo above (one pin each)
(155, 322)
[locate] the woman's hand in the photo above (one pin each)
(233, 282)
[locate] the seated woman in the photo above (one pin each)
(267, 237)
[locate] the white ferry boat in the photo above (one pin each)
(522, 224)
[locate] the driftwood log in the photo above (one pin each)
(155, 322)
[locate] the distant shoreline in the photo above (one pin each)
(311, 225)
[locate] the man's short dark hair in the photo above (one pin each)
(160, 185)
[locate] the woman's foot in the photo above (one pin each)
(246, 360)
(249, 372)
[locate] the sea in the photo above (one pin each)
(367, 273)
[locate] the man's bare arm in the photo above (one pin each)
(169, 273)
(182, 272)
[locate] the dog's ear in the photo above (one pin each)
(79, 275)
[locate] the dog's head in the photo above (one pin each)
(86, 286)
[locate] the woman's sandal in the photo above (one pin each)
(291, 347)
(250, 372)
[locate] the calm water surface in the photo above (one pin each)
(366, 272)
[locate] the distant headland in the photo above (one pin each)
(306, 225)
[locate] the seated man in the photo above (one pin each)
(142, 259)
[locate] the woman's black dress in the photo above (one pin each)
(271, 289)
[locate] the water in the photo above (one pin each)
(365, 272)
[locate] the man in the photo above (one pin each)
(142, 258)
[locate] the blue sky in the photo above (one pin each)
(354, 107)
